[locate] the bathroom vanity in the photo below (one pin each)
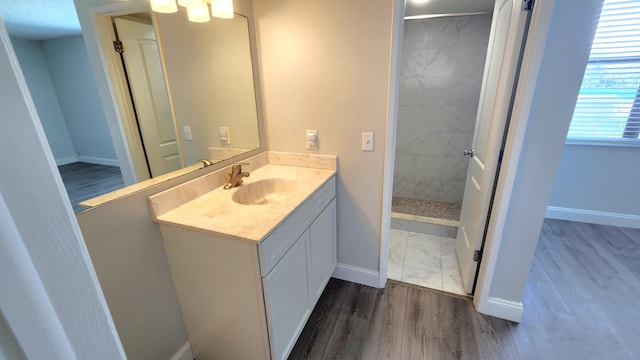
(249, 263)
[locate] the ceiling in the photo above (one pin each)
(448, 7)
(40, 19)
(49, 19)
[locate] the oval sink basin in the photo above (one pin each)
(264, 191)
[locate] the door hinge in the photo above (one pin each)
(118, 47)
(527, 5)
(477, 255)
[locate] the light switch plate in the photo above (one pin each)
(187, 132)
(311, 137)
(367, 141)
(224, 135)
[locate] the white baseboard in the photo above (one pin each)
(594, 217)
(357, 275)
(67, 160)
(98, 161)
(503, 309)
(184, 353)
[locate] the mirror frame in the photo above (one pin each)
(98, 34)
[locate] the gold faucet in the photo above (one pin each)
(236, 175)
(206, 162)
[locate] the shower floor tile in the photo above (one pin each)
(426, 208)
(424, 260)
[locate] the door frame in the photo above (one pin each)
(55, 307)
(531, 60)
(126, 125)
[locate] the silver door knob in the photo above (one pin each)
(468, 153)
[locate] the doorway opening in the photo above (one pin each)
(443, 62)
(457, 84)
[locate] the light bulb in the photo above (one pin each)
(164, 6)
(222, 9)
(198, 13)
(190, 3)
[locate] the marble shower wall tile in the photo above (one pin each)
(414, 64)
(410, 117)
(443, 61)
(416, 35)
(411, 91)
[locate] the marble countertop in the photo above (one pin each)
(216, 212)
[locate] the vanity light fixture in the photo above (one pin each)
(198, 13)
(197, 10)
(164, 6)
(222, 9)
(190, 3)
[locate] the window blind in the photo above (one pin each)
(608, 106)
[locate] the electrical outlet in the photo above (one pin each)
(187, 132)
(367, 141)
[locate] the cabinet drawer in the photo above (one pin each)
(274, 246)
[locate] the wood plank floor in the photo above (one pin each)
(581, 302)
(85, 181)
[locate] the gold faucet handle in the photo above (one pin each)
(206, 162)
(238, 166)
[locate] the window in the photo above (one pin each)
(608, 106)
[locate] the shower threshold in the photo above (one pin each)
(426, 209)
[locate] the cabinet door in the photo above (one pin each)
(287, 297)
(322, 251)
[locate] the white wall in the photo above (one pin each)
(325, 66)
(128, 254)
(75, 86)
(597, 184)
(9, 347)
(536, 140)
(442, 68)
(56, 286)
(35, 70)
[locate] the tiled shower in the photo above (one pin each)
(443, 62)
(442, 67)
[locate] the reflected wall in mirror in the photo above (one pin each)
(210, 78)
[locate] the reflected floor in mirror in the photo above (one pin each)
(85, 181)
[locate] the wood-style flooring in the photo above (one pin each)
(85, 181)
(581, 302)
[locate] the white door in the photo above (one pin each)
(146, 79)
(507, 32)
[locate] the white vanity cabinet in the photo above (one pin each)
(295, 283)
(244, 299)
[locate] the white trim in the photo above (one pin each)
(67, 160)
(98, 160)
(593, 217)
(184, 353)
(433, 16)
(357, 275)
(528, 79)
(395, 65)
(503, 309)
(54, 244)
(604, 143)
